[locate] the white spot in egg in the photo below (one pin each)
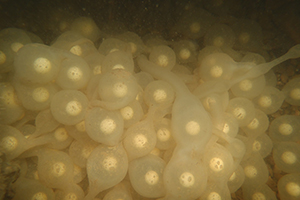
(293, 189)
(232, 177)
(162, 60)
(76, 50)
(61, 134)
(73, 108)
(151, 177)
(163, 134)
(110, 163)
(253, 124)
(140, 141)
(2, 58)
(97, 70)
(214, 196)
(71, 196)
(192, 128)
(195, 27)
(250, 171)
(118, 66)
(74, 73)
(127, 113)
(187, 179)
(258, 196)
(40, 94)
(184, 54)
(218, 41)
(159, 95)
(58, 169)
(107, 126)
(295, 94)
(216, 71)
(256, 146)
(42, 65)
(9, 143)
(245, 85)
(289, 157)
(133, 47)
(120, 89)
(285, 129)
(216, 164)
(239, 113)
(16, 46)
(80, 126)
(265, 101)
(39, 196)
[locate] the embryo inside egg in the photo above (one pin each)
(105, 110)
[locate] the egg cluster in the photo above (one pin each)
(146, 118)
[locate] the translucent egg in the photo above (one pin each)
(292, 92)
(106, 167)
(74, 74)
(79, 174)
(35, 97)
(86, 27)
(116, 89)
(11, 109)
(216, 191)
(146, 176)
(37, 63)
(219, 35)
(256, 171)
(69, 106)
(73, 193)
(289, 186)
(249, 35)
(140, 139)
(112, 44)
(164, 134)
(117, 60)
(143, 78)
(11, 41)
(79, 151)
(217, 66)
(132, 113)
(230, 125)
(258, 125)
(269, 100)
(104, 126)
(207, 51)
(95, 62)
(13, 142)
(262, 192)
(163, 56)
(219, 161)
(44, 123)
(194, 23)
(242, 109)
(285, 128)
(55, 168)
(286, 156)
(249, 88)
(185, 51)
(28, 189)
(119, 192)
(135, 42)
(159, 93)
(184, 177)
(236, 179)
(75, 43)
